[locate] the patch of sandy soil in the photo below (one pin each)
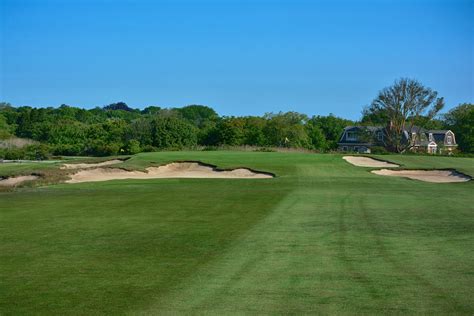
(90, 165)
(10, 182)
(172, 170)
(368, 162)
(438, 176)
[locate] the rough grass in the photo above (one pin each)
(323, 236)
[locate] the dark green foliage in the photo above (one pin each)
(332, 127)
(374, 116)
(30, 152)
(172, 133)
(122, 106)
(231, 131)
(378, 150)
(118, 128)
(461, 121)
(428, 123)
(316, 136)
(151, 110)
(198, 115)
(5, 128)
(286, 130)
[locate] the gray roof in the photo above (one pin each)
(438, 131)
(370, 128)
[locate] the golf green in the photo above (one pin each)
(323, 236)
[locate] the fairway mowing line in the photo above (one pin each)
(264, 271)
(209, 287)
(408, 271)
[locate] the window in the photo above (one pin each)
(344, 148)
(380, 136)
(449, 139)
(351, 136)
(356, 148)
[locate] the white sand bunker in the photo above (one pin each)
(438, 176)
(90, 165)
(172, 170)
(13, 181)
(368, 162)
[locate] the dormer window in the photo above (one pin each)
(351, 136)
(449, 139)
(380, 136)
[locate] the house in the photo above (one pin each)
(434, 141)
(362, 138)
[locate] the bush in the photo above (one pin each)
(133, 147)
(210, 148)
(37, 152)
(31, 152)
(265, 149)
(379, 150)
(149, 148)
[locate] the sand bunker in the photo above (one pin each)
(90, 165)
(438, 176)
(172, 170)
(10, 182)
(368, 162)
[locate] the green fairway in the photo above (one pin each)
(323, 236)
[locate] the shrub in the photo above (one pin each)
(379, 150)
(265, 149)
(31, 152)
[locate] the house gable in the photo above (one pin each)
(450, 139)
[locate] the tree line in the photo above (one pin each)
(119, 129)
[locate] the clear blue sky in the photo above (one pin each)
(239, 57)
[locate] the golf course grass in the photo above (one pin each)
(323, 236)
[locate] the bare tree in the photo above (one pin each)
(402, 104)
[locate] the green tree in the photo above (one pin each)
(151, 110)
(461, 121)
(254, 127)
(332, 127)
(316, 137)
(287, 130)
(5, 129)
(198, 115)
(374, 116)
(133, 147)
(230, 131)
(403, 103)
(172, 133)
(122, 106)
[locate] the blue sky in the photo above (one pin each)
(239, 57)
